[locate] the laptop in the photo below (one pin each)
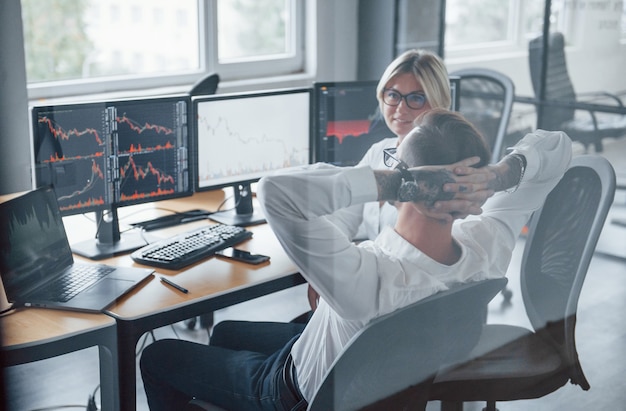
(37, 267)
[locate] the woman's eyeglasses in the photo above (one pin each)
(392, 97)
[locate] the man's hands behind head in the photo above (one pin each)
(470, 190)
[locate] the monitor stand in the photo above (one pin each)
(244, 213)
(109, 241)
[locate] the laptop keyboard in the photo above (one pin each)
(80, 278)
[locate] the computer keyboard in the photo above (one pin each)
(187, 248)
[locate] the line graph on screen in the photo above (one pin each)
(249, 147)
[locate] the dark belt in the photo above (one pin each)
(291, 382)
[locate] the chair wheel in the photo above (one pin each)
(206, 320)
(190, 323)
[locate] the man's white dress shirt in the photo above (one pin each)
(357, 283)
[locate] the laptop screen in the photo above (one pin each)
(33, 243)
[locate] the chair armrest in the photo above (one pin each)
(580, 105)
(598, 95)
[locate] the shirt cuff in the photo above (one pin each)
(546, 152)
(362, 184)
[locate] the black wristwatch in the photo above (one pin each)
(408, 189)
(522, 164)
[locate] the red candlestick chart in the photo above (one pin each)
(70, 151)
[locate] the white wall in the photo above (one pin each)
(336, 39)
(15, 172)
(598, 59)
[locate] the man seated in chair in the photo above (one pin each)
(279, 366)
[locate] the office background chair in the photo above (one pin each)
(390, 364)
(486, 100)
(514, 363)
(588, 128)
(207, 85)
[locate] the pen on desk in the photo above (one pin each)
(170, 283)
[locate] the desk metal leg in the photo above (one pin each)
(109, 371)
(104, 338)
(126, 345)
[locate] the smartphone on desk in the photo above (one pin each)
(242, 255)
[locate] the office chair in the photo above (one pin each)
(514, 363)
(589, 128)
(486, 100)
(390, 364)
(207, 85)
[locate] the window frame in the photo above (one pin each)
(250, 69)
(255, 67)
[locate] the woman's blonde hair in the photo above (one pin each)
(428, 69)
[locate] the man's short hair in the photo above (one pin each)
(444, 137)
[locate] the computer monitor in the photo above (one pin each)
(102, 155)
(245, 136)
(347, 120)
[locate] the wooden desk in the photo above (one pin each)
(33, 334)
(213, 284)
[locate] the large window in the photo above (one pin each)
(499, 25)
(87, 46)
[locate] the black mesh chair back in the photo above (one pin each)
(561, 241)
(486, 100)
(511, 362)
